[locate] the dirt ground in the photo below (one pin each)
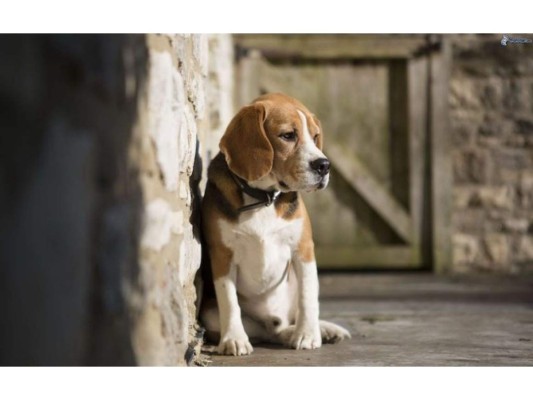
(408, 319)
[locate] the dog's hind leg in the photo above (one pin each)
(330, 333)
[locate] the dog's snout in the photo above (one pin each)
(321, 166)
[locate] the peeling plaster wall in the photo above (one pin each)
(99, 186)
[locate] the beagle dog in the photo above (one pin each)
(258, 232)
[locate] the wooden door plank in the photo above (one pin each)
(417, 110)
(368, 257)
(441, 168)
(358, 176)
(283, 47)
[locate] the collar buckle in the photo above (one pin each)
(271, 196)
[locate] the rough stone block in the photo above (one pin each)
(159, 222)
(525, 249)
(201, 53)
(192, 59)
(519, 225)
(465, 248)
(495, 125)
(515, 141)
(496, 196)
(492, 93)
(464, 129)
(515, 95)
(464, 93)
(524, 126)
(166, 105)
(472, 166)
(512, 158)
(462, 196)
(525, 189)
(469, 220)
(506, 176)
(497, 247)
(495, 220)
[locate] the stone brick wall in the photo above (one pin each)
(99, 182)
(181, 113)
(172, 113)
(491, 110)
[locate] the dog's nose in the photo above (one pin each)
(321, 166)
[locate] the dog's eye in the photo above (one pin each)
(288, 136)
(315, 139)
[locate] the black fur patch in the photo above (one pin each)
(222, 203)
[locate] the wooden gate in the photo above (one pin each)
(382, 102)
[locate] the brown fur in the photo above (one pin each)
(306, 247)
(248, 151)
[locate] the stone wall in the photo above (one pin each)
(491, 99)
(187, 95)
(165, 138)
(99, 187)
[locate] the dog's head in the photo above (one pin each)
(277, 142)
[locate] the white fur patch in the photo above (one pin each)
(262, 244)
(233, 338)
(307, 153)
(307, 275)
(306, 334)
(310, 149)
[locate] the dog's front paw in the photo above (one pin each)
(302, 337)
(235, 346)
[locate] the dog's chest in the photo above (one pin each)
(262, 244)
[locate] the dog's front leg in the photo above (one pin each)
(233, 338)
(306, 334)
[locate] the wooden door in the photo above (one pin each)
(377, 99)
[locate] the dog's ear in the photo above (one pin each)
(320, 139)
(245, 145)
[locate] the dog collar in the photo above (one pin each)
(265, 198)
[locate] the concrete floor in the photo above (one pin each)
(415, 320)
